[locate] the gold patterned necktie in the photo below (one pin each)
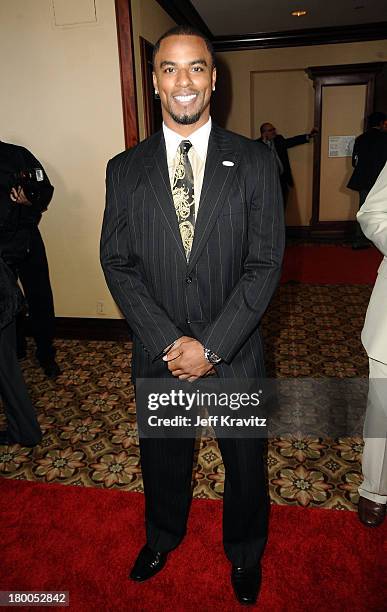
(183, 196)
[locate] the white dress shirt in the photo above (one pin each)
(197, 155)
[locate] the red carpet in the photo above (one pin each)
(83, 540)
(330, 264)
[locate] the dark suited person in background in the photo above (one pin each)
(22, 425)
(191, 247)
(25, 193)
(368, 158)
(279, 147)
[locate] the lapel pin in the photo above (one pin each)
(227, 163)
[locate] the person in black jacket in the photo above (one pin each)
(22, 425)
(279, 147)
(25, 193)
(192, 255)
(368, 159)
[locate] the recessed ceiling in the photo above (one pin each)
(242, 17)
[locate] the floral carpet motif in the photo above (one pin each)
(89, 422)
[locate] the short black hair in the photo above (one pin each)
(184, 30)
(375, 119)
(261, 127)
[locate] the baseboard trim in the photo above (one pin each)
(324, 231)
(77, 328)
(298, 231)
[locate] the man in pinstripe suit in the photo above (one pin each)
(194, 305)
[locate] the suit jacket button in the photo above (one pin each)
(187, 321)
(188, 280)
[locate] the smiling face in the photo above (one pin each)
(184, 77)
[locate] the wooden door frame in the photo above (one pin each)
(127, 71)
(325, 76)
(151, 100)
(147, 92)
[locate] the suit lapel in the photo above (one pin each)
(217, 178)
(156, 168)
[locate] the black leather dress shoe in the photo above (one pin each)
(50, 368)
(357, 245)
(21, 353)
(3, 438)
(246, 583)
(7, 440)
(147, 564)
(371, 513)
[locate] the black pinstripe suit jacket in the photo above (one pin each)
(221, 294)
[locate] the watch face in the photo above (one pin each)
(211, 357)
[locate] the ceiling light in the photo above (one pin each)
(300, 13)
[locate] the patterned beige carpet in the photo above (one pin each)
(89, 423)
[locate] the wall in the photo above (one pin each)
(245, 79)
(63, 58)
(61, 98)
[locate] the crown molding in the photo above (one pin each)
(360, 70)
(296, 38)
(184, 13)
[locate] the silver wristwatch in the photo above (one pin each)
(211, 357)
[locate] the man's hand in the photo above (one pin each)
(186, 359)
(313, 132)
(18, 196)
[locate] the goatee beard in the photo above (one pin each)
(186, 119)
